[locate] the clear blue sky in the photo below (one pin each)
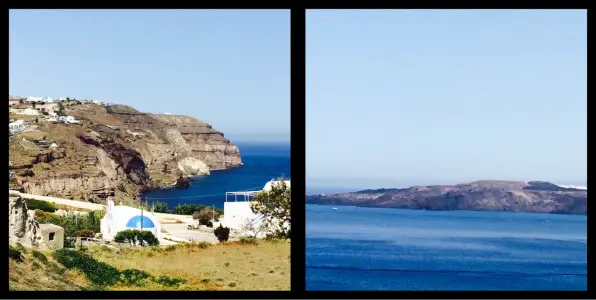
(228, 68)
(402, 97)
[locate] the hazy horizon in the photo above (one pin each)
(229, 68)
(419, 97)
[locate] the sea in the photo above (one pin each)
(374, 249)
(262, 163)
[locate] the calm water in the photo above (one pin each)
(261, 164)
(355, 248)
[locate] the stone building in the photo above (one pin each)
(53, 235)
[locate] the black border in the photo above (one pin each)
(298, 167)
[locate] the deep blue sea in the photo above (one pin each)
(262, 162)
(354, 248)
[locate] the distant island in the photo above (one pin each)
(489, 195)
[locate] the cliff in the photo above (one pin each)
(114, 151)
(533, 196)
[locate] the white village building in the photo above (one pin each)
(238, 214)
(120, 217)
(16, 126)
(67, 120)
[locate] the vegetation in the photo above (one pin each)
(160, 207)
(41, 205)
(102, 274)
(190, 209)
(225, 266)
(136, 237)
(222, 233)
(60, 111)
(71, 222)
(276, 208)
(14, 253)
(248, 240)
(85, 233)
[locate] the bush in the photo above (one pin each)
(205, 220)
(134, 277)
(222, 233)
(97, 272)
(134, 237)
(205, 245)
(248, 240)
(14, 253)
(168, 281)
(41, 205)
(187, 209)
(85, 233)
(40, 256)
(70, 222)
(161, 207)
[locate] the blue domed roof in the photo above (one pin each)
(135, 222)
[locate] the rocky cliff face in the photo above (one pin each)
(116, 151)
(22, 227)
(534, 196)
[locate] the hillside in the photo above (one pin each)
(226, 266)
(110, 150)
(533, 196)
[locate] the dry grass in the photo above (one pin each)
(34, 135)
(23, 117)
(33, 275)
(228, 266)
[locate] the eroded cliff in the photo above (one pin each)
(115, 151)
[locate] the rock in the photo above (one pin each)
(182, 182)
(123, 164)
(22, 227)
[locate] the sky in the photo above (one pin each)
(396, 98)
(229, 68)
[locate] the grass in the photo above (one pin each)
(225, 266)
(34, 135)
(35, 273)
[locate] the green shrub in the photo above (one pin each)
(41, 205)
(35, 265)
(160, 207)
(149, 238)
(14, 253)
(71, 222)
(187, 209)
(168, 281)
(222, 233)
(134, 237)
(134, 277)
(40, 256)
(126, 236)
(85, 233)
(248, 240)
(98, 273)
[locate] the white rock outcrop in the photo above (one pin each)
(22, 227)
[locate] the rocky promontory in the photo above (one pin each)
(112, 150)
(493, 195)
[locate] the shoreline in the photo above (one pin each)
(442, 210)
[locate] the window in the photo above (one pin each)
(52, 234)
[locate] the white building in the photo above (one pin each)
(16, 126)
(238, 214)
(67, 120)
(119, 218)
